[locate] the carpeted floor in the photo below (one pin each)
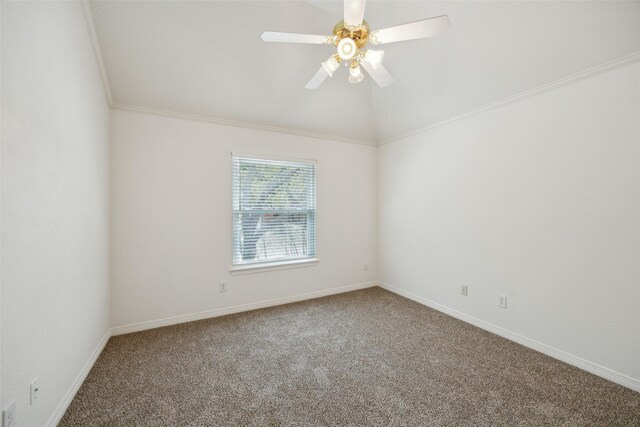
(367, 357)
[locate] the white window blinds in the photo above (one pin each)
(274, 210)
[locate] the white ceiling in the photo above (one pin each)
(206, 58)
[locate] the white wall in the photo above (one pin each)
(171, 216)
(1, 238)
(539, 200)
(55, 189)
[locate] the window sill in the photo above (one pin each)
(273, 266)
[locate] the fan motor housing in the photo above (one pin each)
(359, 34)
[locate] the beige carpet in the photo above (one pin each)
(363, 358)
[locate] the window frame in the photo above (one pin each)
(276, 264)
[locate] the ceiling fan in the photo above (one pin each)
(351, 36)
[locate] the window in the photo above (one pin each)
(274, 211)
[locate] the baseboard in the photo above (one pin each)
(75, 386)
(136, 327)
(119, 330)
(594, 368)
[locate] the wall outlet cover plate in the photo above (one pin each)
(502, 301)
(9, 416)
(35, 391)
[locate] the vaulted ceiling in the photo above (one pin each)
(206, 58)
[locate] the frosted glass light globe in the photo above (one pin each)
(347, 48)
(331, 65)
(355, 75)
(374, 57)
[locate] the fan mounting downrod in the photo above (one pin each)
(359, 33)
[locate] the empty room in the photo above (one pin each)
(319, 213)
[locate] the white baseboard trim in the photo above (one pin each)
(75, 386)
(119, 330)
(136, 327)
(594, 368)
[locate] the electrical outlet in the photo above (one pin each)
(224, 286)
(464, 290)
(502, 301)
(9, 416)
(35, 391)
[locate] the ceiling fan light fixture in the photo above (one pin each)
(331, 65)
(350, 39)
(374, 57)
(347, 48)
(355, 74)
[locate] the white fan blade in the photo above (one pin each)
(270, 36)
(317, 79)
(416, 30)
(354, 12)
(380, 74)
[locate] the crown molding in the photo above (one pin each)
(238, 124)
(547, 87)
(88, 16)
